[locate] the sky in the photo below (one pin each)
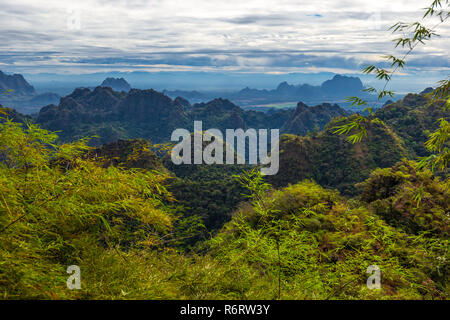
(233, 36)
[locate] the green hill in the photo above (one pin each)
(331, 161)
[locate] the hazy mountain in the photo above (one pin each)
(23, 96)
(334, 90)
(43, 99)
(17, 83)
(193, 96)
(341, 86)
(117, 84)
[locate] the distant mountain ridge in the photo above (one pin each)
(336, 89)
(306, 151)
(309, 148)
(113, 115)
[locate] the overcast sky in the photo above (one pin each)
(276, 36)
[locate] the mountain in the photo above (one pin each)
(305, 118)
(25, 99)
(23, 96)
(193, 96)
(413, 118)
(336, 89)
(333, 162)
(44, 99)
(117, 84)
(152, 115)
(184, 102)
(17, 83)
(341, 86)
(322, 156)
(218, 113)
(112, 115)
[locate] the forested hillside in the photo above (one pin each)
(413, 118)
(331, 161)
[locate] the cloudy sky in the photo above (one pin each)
(263, 36)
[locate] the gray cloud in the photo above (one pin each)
(260, 35)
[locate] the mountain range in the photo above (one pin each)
(336, 89)
(152, 115)
(25, 99)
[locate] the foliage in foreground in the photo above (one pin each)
(313, 244)
(56, 207)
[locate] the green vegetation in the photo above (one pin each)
(392, 194)
(332, 162)
(310, 243)
(59, 209)
(413, 118)
(65, 205)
